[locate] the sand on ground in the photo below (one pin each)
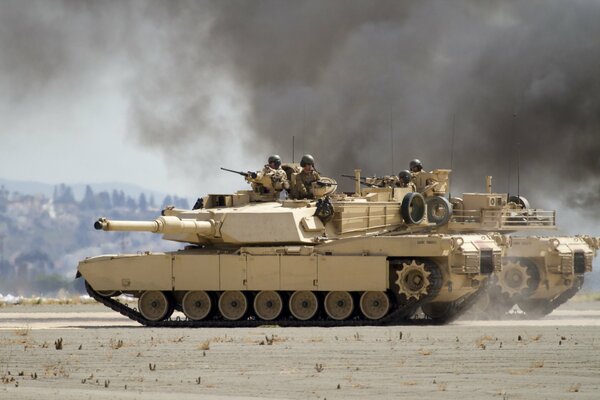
(106, 356)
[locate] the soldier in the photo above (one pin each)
(271, 178)
(276, 173)
(415, 166)
(405, 180)
(302, 181)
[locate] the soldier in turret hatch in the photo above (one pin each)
(272, 178)
(405, 180)
(302, 181)
(415, 166)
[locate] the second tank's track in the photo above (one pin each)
(545, 307)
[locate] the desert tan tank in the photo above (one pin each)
(538, 273)
(336, 260)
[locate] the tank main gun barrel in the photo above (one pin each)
(164, 224)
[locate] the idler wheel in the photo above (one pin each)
(374, 305)
(233, 305)
(154, 305)
(338, 305)
(196, 305)
(413, 280)
(268, 305)
(108, 293)
(303, 305)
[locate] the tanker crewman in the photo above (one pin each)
(405, 180)
(271, 178)
(415, 166)
(302, 181)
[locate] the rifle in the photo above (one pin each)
(244, 174)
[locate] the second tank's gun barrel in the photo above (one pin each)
(164, 224)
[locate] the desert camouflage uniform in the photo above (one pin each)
(269, 180)
(302, 184)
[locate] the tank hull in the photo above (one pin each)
(368, 280)
(538, 274)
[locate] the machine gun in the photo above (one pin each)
(251, 174)
(363, 181)
(324, 184)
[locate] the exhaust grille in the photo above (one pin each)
(486, 263)
(579, 262)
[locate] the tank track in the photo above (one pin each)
(396, 317)
(458, 308)
(547, 306)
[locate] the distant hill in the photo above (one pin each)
(47, 189)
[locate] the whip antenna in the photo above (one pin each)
(392, 138)
(452, 152)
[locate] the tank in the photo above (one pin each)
(250, 258)
(538, 273)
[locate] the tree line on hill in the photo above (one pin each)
(42, 238)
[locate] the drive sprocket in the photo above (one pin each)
(513, 278)
(413, 280)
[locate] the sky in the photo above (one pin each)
(162, 94)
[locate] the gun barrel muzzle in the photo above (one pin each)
(164, 224)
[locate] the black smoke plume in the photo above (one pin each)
(509, 89)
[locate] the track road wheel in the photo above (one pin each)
(374, 305)
(233, 305)
(303, 305)
(338, 305)
(155, 305)
(268, 305)
(413, 280)
(108, 293)
(196, 305)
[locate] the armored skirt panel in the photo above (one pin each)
(354, 280)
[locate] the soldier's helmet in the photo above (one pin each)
(275, 159)
(307, 159)
(415, 165)
(404, 177)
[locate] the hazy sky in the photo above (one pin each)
(162, 94)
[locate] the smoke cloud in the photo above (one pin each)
(506, 89)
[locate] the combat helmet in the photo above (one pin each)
(307, 159)
(404, 177)
(416, 163)
(275, 159)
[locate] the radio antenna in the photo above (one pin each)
(452, 144)
(518, 169)
(452, 152)
(293, 147)
(392, 138)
